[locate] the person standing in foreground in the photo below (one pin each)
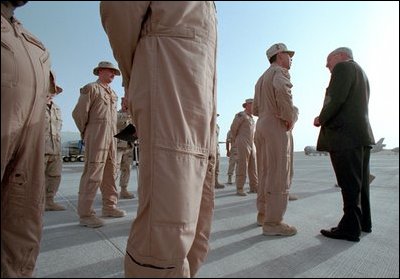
(274, 141)
(95, 115)
(25, 83)
(167, 55)
(124, 152)
(242, 131)
(347, 135)
(53, 162)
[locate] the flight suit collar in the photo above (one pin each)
(106, 87)
(7, 10)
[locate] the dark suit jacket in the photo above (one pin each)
(344, 116)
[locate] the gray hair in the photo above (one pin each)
(345, 50)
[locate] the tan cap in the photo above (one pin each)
(106, 65)
(278, 48)
(247, 101)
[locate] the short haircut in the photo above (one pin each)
(273, 59)
(345, 50)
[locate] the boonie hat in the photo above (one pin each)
(106, 65)
(278, 48)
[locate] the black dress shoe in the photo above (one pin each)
(338, 234)
(367, 230)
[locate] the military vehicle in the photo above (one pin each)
(73, 151)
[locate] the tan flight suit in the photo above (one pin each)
(242, 132)
(25, 83)
(53, 161)
(166, 52)
(95, 115)
(273, 105)
(124, 152)
(217, 184)
(233, 155)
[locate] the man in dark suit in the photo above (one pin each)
(346, 134)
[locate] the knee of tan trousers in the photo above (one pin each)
(275, 206)
(135, 269)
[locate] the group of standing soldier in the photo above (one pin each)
(166, 53)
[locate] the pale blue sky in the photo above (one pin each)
(73, 33)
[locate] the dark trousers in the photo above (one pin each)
(351, 167)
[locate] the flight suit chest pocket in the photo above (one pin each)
(43, 53)
(34, 41)
(9, 71)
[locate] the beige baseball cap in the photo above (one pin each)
(278, 48)
(247, 101)
(106, 65)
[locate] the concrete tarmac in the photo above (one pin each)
(237, 247)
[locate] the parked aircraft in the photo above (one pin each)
(378, 146)
(312, 150)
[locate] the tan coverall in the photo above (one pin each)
(53, 161)
(242, 131)
(166, 52)
(233, 155)
(25, 80)
(273, 105)
(95, 115)
(124, 151)
(217, 155)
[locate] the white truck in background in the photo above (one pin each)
(73, 151)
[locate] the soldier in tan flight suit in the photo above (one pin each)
(95, 115)
(277, 116)
(25, 83)
(167, 54)
(124, 152)
(231, 153)
(242, 132)
(217, 184)
(53, 161)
